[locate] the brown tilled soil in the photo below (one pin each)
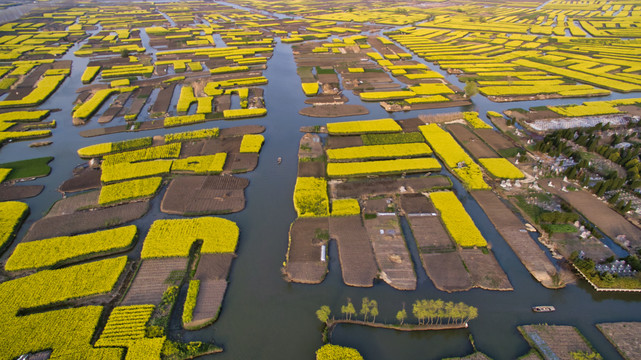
(354, 189)
(326, 99)
(485, 270)
(304, 263)
(440, 105)
(416, 204)
(430, 234)
(222, 103)
(163, 100)
(85, 180)
(194, 148)
(447, 271)
(335, 142)
(214, 266)
(311, 168)
(356, 256)
(410, 125)
(598, 212)
(228, 145)
(332, 110)
(377, 205)
(472, 143)
(210, 298)
(237, 162)
(84, 221)
(152, 279)
(495, 140)
(241, 130)
(73, 203)
(16, 192)
(514, 233)
(189, 195)
(625, 336)
(390, 250)
(559, 340)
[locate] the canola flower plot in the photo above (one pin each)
(11, 215)
(68, 332)
(364, 127)
(181, 120)
(382, 167)
(310, 89)
(65, 249)
(146, 349)
(89, 74)
(4, 173)
(203, 164)
(252, 143)
(386, 95)
(501, 168)
(45, 87)
(174, 238)
(310, 197)
(345, 207)
(24, 115)
(168, 151)
(190, 301)
(127, 171)
(458, 222)
(336, 352)
(129, 190)
(85, 110)
(244, 113)
(390, 151)
(113, 147)
(192, 135)
(454, 156)
(473, 119)
(125, 325)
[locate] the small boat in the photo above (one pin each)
(279, 160)
(543, 308)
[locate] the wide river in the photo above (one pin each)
(264, 317)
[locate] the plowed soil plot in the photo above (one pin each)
(153, 278)
(429, 234)
(311, 168)
(188, 149)
(15, 192)
(163, 100)
(495, 139)
(332, 111)
(599, 213)
(355, 189)
(357, 258)
(85, 180)
(514, 233)
(625, 336)
(304, 263)
(485, 270)
(241, 130)
(326, 99)
(212, 272)
(84, 221)
(593, 248)
(447, 271)
(71, 204)
(213, 146)
(555, 341)
(417, 204)
(336, 142)
(237, 162)
(311, 147)
(391, 252)
(199, 195)
(411, 125)
(472, 143)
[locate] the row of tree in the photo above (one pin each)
(425, 311)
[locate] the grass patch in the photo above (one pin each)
(28, 168)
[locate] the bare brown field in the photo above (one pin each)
(495, 140)
(391, 252)
(416, 204)
(311, 168)
(152, 279)
(472, 143)
(241, 130)
(84, 221)
(358, 264)
(237, 162)
(333, 110)
(354, 189)
(310, 147)
(555, 340)
(71, 204)
(599, 213)
(325, 99)
(16, 192)
(625, 336)
(208, 303)
(304, 255)
(410, 125)
(593, 248)
(485, 270)
(513, 232)
(447, 272)
(336, 142)
(189, 195)
(430, 234)
(86, 179)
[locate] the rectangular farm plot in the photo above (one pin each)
(390, 151)
(447, 271)
(624, 336)
(358, 264)
(457, 221)
(556, 341)
(390, 249)
(485, 270)
(304, 263)
(381, 167)
(189, 195)
(151, 279)
(472, 143)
